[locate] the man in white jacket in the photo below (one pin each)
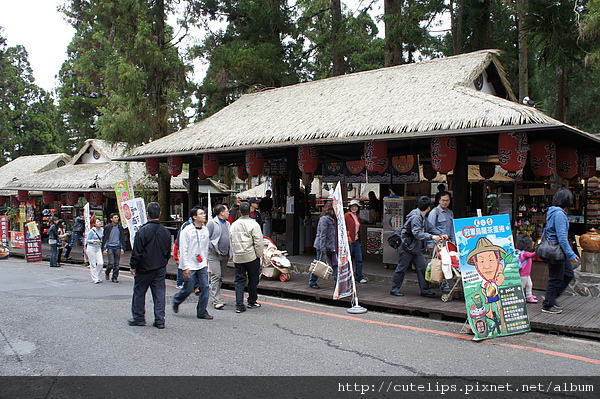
(247, 245)
(193, 260)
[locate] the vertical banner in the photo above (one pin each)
(33, 243)
(87, 220)
(333, 172)
(124, 192)
(355, 172)
(490, 274)
(209, 207)
(405, 169)
(4, 248)
(134, 212)
(345, 282)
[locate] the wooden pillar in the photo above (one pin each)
(461, 201)
(293, 221)
(192, 187)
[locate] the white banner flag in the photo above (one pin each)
(134, 212)
(345, 281)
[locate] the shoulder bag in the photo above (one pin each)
(549, 251)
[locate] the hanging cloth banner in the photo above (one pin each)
(209, 207)
(345, 281)
(333, 172)
(355, 172)
(490, 274)
(123, 192)
(405, 169)
(383, 174)
(135, 216)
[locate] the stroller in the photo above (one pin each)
(448, 253)
(274, 262)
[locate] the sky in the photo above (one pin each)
(43, 30)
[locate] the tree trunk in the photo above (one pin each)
(457, 23)
(559, 112)
(336, 25)
(523, 53)
(393, 35)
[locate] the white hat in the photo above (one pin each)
(354, 202)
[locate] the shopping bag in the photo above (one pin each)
(320, 269)
(437, 275)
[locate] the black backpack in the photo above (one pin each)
(395, 239)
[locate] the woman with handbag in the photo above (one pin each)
(326, 242)
(560, 273)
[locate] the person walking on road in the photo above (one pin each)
(53, 241)
(326, 242)
(416, 232)
(148, 263)
(560, 273)
(113, 245)
(247, 245)
(93, 250)
(193, 260)
(77, 236)
(219, 252)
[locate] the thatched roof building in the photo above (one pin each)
(24, 166)
(462, 95)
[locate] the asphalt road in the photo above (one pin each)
(56, 322)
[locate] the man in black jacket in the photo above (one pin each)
(113, 246)
(151, 252)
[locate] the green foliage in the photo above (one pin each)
(28, 116)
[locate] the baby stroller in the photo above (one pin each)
(274, 262)
(448, 253)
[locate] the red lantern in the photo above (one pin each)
(428, 172)
(586, 165)
(566, 162)
(543, 157)
(443, 154)
(2, 200)
(96, 198)
(22, 195)
(175, 165)
(242, 174)
(376, 156)
(512, 151)
(255, 163)
(210, 164)
(487, 170)
(152, 166)
(87, 195)
(72, 198)
(48, 197)
(308, 159)
(201, 175)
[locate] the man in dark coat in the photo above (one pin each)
(149, 257)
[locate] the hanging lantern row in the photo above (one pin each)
(543, 157)
(175, 165)
(586, 165)
(22, 195)
(201, 174)
(512, 151)
(443, 154)
(152, 166)
(487, 170)
(375, 156)
(242, 174)
(96, 198)
(308, 159)
(210, 164)
(48, 197)
(72, 197)
(566, 162)
(3, 200)
(255, 163)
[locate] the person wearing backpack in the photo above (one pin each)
(416, 232)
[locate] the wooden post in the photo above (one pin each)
(461, 201)
(193, 186)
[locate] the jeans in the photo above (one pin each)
(200, 276)
(54, 255)
(75, 237)
(113, 257)
(406, 258)
(356, 254)
(559, 277)
(253, 270)
(312, 279)
(155, 279)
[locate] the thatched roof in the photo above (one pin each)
(99, 176)
(434, 97)
(27, 165)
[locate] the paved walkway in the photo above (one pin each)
(581, 315)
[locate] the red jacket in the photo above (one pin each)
(352, 229)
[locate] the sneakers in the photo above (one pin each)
(240, 310)
(315, 286)
(428, 294)
(175, 307)
(136, 322)
(553, 310)
(253, 305)
(531, 299)
(219, 306)
(179, 286)
(160, 326)
(363, 281)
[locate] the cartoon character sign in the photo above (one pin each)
(490, 273)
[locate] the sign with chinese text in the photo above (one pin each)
(490, 274)
(134, 214)
(124, 192)
(33, 243)
(345, 279)
(4, 250)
